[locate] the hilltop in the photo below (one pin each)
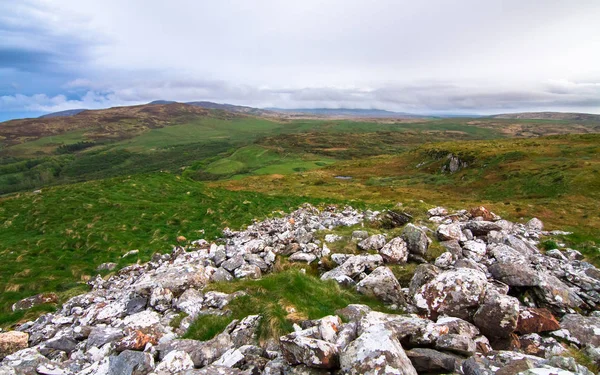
(564, 116)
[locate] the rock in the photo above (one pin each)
(432, 361)
(202, 353)
(161, 298)
(176, 278)
(424, 273)
(456, 343)
(25, 361)
(497, 316)
(353, 312)
(395, 251)
(394, 219)
(453, 292)
(535, 224)
(190, 302)
(474, 249)
(382, 284)
(246, 331)
(535, 320)
(449, 232)
(39, 299)
(354, 266)
(221, 275)
(416, 240)
(585, 330)
(233, 263)
(136, 304)
(174, 363)
(63, 343)
(482, 228)
(482, 212)
(437, 211)
(445, 260)
(11, 342)
(302, 257)
(131, 363)
(130, 252)
(135, 340)
(514, 273)
(247, 271)
(103, 335)
(106, 267)
(376, 351)
(312, 352)
(374, 242)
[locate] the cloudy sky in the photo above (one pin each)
(433, 56)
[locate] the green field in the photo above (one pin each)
(142, 181)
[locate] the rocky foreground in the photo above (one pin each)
(492, 303)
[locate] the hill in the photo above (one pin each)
(69, 112)
(348, 112)
(564, 116)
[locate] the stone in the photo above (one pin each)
(437, 211)
(202, 353)
(482, 212)
(309, 351)
(331, 238)
(161, 298)
(535, 224)
(190, 302)
(453, 292)
(135, 340)
(25, 361)
(497, 316)
(136, 304)
(449, 232)
(221, 275)
(423, 274)
(584, 329)
(374, 242)
(432, 361)
(247, 271)
(11, 342)
(376, 351)
(395, 251)
(103, 335)
(303, 257)
(416, 240)
(514, 274)
(382, 284)
(38, 299)
(233, 263)
(535, 320)
(474, 249)
(63, 343)
(131, 363)
(482, 228)
(445, 260)
(456, 343)
(354, 266)
(174, 363)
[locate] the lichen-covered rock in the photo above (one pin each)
(416, 240)
(298, 349)
(497, 316)
(448, 232)
(535, 224)
(382, 284)
(190, 302)
(11, 342)
(433, 361)
(374, 242)
(174, 363)
(459, 344)
(424, 273)
(453, 292)
(585, 330)
(38, 299)
(395, 251)
(131, 363)
(354, 266)
(375, 352)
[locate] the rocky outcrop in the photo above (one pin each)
(491, 304)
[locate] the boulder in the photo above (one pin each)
(298, 349)
(535, 320)
(103, 335)
(11, 342)
(459, 344)
(302, 257)
(432, 361)
(247, 271)
(374, 242)
(38, 299)
(453, 292)
(416, 240)
(190, 302)
(424, 273)
(360, 235)
(535, 224)
(382, 284)
(174, 363)
(202, 353)
(497, 316)
(131, 363)
(437, 211)
(354, 266)
(481, 228)
(449, 232)
(376, 351)
(395, 251)
(584, 329)
(482, 212)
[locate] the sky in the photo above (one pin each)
(426, 57)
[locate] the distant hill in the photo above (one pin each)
(348, 112)
(566, 116)
(67, 113)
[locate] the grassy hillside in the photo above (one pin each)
(54, 240)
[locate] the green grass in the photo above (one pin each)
(282, 298)
(53, 240)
